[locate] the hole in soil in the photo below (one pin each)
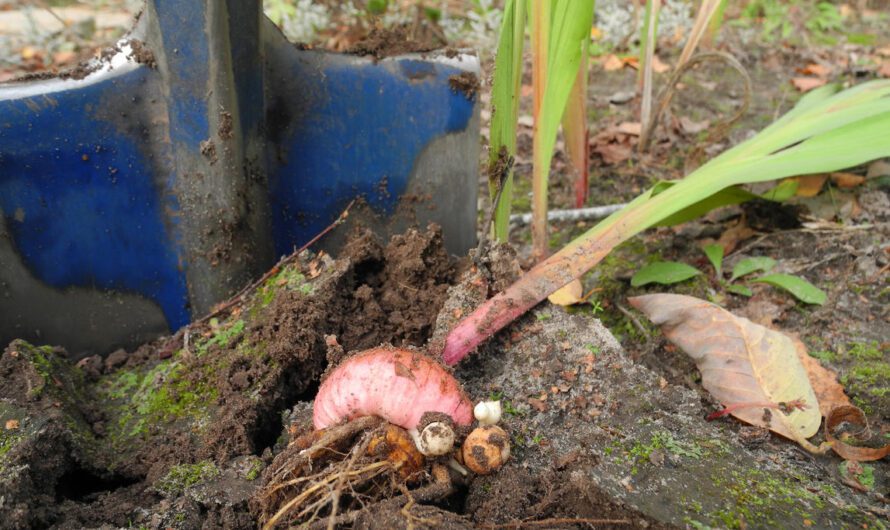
(271, 424)
(81, 485)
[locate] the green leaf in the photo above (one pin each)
(782, 191)
(737, 288)
(727, 197)
(663, 272)
(714, 253)
(505, 107)
(800, 288)
(749, 265)
(377, 7)
(569, 30)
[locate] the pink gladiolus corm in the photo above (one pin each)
(397, 385)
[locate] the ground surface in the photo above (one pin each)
(178, 433)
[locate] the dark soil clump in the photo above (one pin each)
(381, 43)
(142, 54)
(467, 82)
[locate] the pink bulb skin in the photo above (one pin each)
(397, 385)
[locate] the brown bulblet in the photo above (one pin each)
(486, 449)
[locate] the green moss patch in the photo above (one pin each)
(185, 476)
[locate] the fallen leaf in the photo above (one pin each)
(815, 69)
(810, 185)
(828, 391)
(851, 415)
(741, 363)
(633, 128)
(12, 425)
(631, 60)
(878, 168)
(689, 126)
(847, 180)
(732, 236)
(884, 51)
(805, 84)
(659, 67)
(884, 69)
(611, 63)
(569, 294)
(613, 153)
(763, 310)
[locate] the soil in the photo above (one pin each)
(142, 54)
(93, 444)
(466, 82)
(405, 38)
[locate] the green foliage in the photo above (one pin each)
(826, 18)
(505, 110)
(664, 273)
(797, 286)
(714, 252)
(749, 265)
(739, 289)
(670, 272)
(377, 7)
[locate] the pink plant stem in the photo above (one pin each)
(551, 274)
(570, 263)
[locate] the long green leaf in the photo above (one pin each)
(570, 28)
(505, 108)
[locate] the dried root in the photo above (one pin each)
(327, 478)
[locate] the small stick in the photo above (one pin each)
(271, 272)
(633, 319)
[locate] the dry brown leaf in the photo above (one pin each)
(611, 63)
(745, 366)
(633, 128)
(828, 391)
(732, 236)
(810, 185)
(884, 51)
(689, 126)
(569, 294)
(884, 69)
(815, 69)
(851, 415)
(847, 180)
(805, 84)
(659, 67)
(12, 424)
(878, 168)
(613, 153)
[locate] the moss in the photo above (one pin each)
(185, 476)
(148, 396)
(290, 278)
(864, 474)
(640, 452)
(824, 355)
(253, 472)
(865, 350)
(759, 498)
(221, 337)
